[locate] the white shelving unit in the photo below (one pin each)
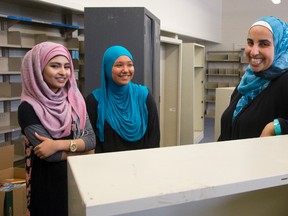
(192, 93)
(170, 90)
(182, 71)
(10, 86)
(223, 70)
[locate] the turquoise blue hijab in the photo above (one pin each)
(123, 107)
(252, 83)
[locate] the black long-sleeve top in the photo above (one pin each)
(113, 141)
(270, 104)
(47, 189)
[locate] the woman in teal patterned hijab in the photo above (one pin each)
(253, 82)
(258, 105)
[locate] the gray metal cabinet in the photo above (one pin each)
(135, 28)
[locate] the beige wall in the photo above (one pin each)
(238, 16)
(193, 18)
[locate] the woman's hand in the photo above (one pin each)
(268, 130)
(46, 148)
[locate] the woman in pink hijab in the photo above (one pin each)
(53, 119)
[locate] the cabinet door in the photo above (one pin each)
(170, 104)
(192, 93)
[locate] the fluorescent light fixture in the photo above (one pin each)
(276, 1)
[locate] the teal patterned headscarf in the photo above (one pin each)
(123, 107)
(252, 83)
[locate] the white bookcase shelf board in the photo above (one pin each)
(12, 20)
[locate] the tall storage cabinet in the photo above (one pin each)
(135, 28)
(192, 93)
(170, 91)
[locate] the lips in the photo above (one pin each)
(61, 79)
(255, 62)
(124, 75)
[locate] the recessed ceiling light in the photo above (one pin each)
(276, 1)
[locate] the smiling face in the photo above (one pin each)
(122, 70)
(260, 48)
(57, 72)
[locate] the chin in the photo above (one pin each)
(122, 83)
(256, 69)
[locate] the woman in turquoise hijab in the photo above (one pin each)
(258, 106)
(123, 114)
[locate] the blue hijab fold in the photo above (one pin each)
(123, 107)
(252, 84)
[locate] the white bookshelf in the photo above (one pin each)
(192, 93)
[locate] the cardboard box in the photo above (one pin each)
(8, 119)
(10, 63)
(10, 89)
(4, 63)
(14, 63)
(12, 203)
(19, 151)
(10, 39)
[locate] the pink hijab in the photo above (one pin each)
(56, 111)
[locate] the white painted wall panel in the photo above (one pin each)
(193, 18)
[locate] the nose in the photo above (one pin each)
(125, 68)
(62, 70)
(254, 50)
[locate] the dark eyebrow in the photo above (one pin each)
(54, 62)
(57, 62)
(260, 41)
(122, 62)
(265, 40)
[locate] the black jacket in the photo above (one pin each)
(270, 104)
(113, 141)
